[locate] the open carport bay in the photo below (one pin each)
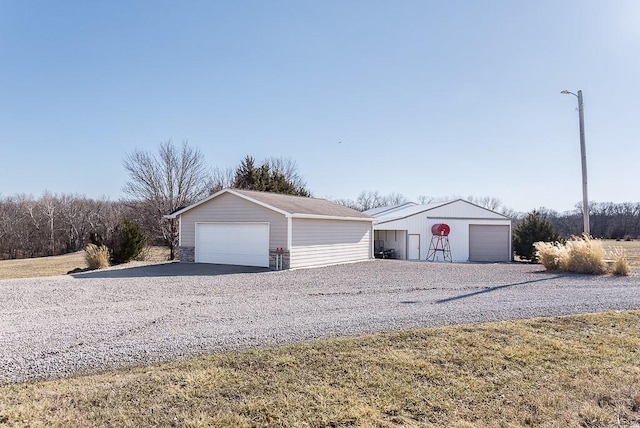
(117, 318)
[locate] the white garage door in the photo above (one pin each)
(243, 244)
(489, 243)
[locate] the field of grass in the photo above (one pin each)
(567, 371)
(42, 266)
(60, 265)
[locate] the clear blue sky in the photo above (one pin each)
(427, 97)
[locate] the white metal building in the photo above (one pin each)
(477, 234)
(248, 228)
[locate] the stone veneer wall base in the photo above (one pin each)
(187, 254)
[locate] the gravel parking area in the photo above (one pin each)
(92, 322)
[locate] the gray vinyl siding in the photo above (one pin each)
(325, 242)
(231, 208)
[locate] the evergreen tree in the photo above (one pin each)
(247, 177)
(531, 229)
(127, 242)
(268, 178)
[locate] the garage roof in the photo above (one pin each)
(290, 206)
(409, 211)
(378, 211)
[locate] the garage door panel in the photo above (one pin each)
(489, 243)
(245, 244)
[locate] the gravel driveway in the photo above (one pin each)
(94, 322)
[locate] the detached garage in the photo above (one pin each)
(248, 228)
(476, 233)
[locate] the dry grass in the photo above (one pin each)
(568, 371)
(578, 254)
(60, 265)
(42, 266)
(619, 265)
(588, 256)
(631, 250)
(97, 257)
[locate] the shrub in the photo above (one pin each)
(97, 257)
(533, 228)
(127, 242)
(579, 255)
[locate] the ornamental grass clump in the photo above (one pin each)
(97, 257)
(551, 254)
(579, 255)
(586, 255)
(620, 264)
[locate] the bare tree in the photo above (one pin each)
(425, 199)
(48, 206)
(368, 199)
(488, 202)
(349, 203)
(221, 179)
(393, 199)
(167, 181)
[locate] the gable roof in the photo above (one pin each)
(288, 205)
(379, 210)
(418, 209)
(409, 211)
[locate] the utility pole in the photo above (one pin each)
(583, 155)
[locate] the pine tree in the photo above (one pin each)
(247, 177)
(533, 228)
(265, 178)
(127, 243)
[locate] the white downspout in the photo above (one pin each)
(289, 233)
(372, 242)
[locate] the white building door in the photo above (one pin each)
(413, 244)
(244, 244)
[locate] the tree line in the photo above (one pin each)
(178, 176)
(56, 224)
(159, 184)
(608, 220)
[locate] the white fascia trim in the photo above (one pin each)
(483, 208)
(330, 217)
(471, 218)
(215, 195)
(207, 199)
(402, 217)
